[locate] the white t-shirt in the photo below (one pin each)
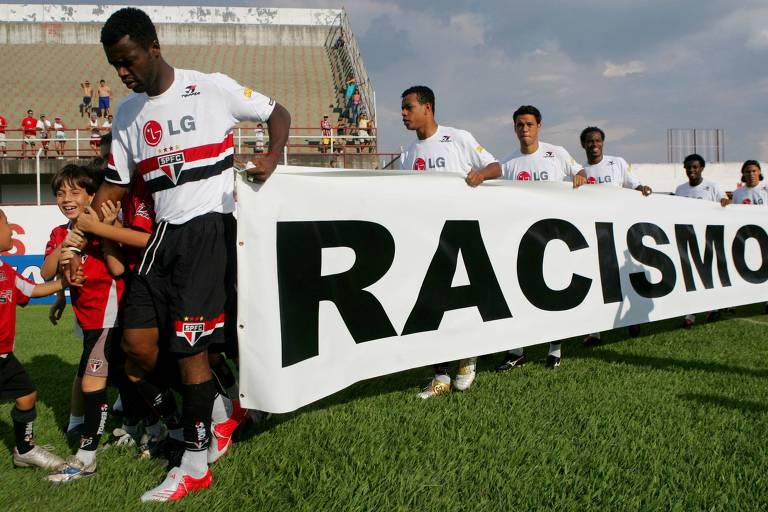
(181, 142)
(547, 163)
(707, 190)
(106, 124)
(612, 171)
(44, 127)
(757, 195)
(59, 129)
(448, 149)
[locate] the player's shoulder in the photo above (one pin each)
(454, 134)
(61, 229)
(548, 149)
(128, 108)
(683, 187)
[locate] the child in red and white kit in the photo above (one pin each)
(96, 308)
(15, 384)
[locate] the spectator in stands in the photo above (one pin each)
(93, 126)
(60, 137)
(349, 90)
(332, 163)
(341, 133)
(28, 132)
(105, 94)
(106, 126)
(3, 126)
(363, 126)
(259, 134)
(355, 107)
(85, 106)
(326, 130)
(44, 125)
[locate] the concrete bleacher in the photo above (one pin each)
(47, 77)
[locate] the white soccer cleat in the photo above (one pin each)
(466, 375)
(72, 469)
(177, 484)
(434, 388)
(37, 457)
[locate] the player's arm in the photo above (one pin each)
(113, 257)
(89, 222)
(278, 124)
(51, 264)
(45, 289)
(490, 172)
(57, 308)
(580, 178)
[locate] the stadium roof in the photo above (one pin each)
(48, 13)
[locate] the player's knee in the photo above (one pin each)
(26, 402)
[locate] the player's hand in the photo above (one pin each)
(75, 238)
(57, 309)
(262, 168)
(474, 178)
(579, 180)
(646, 190)
(109, 211)
(725, 202)
(70, 267)
(85, 222)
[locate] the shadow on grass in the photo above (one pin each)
(664, 363)
(724, 401)
(52, 377)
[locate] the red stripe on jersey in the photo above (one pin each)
(191, 154)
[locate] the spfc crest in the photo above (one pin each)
(172, 165)
(192, 331)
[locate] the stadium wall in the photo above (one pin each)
(171, 34)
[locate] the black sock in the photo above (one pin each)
(133, 404)
(96, 411)
(223, 376)
(197, 405)
(161, 401)
(442, 368)
(23, 422)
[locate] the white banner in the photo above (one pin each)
(349, 275)
(31, 228)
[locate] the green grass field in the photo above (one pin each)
(671, 420)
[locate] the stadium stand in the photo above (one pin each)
(288, 54)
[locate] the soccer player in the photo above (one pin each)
(754, 190)
(699, 188)
(612, 171)
(535, 160)
(443, 149)
(95, 305)
(175, 133)
(15, 384)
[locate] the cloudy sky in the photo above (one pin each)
(635, 68)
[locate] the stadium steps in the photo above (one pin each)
(46, 78)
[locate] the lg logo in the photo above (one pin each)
(153, 132)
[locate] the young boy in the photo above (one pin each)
(14, 381)
(95, 305)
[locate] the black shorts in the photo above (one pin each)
(181, 285)
(14, 381)
(98, 348)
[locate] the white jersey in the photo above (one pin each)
(613, 171)
(707, 190)
(59, 129)
(547, 163)
(751, 195)
(180, 142)
(448, 149)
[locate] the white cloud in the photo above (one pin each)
(633, 67)
(469, 27)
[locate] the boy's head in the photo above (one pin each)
(6, 240)
(74, 187)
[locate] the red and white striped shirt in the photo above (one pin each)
(180, 142)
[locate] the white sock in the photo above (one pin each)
(74, 421)
(516, 352)
(86, 456)
(195, 463)
(691, 318)
(445, 379)
(554, 349)
(222, 409)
